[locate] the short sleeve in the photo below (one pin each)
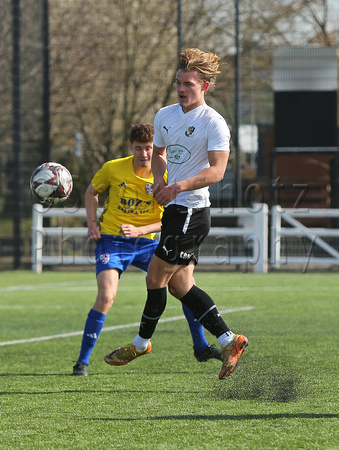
(100, 180)
(218, 135)
(158, 140)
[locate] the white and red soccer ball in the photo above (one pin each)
(51, 183)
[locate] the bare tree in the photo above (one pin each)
(109, 71)
(112, 63)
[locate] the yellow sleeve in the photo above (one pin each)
(101, 180)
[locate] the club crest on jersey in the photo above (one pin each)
(104, 258)
(189, 132)
(149, 188)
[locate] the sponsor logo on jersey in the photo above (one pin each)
(189, 132)
(177, 154)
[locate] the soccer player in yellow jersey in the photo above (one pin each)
(125, 236)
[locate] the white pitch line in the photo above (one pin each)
(85, 285)
(33, 287)
(116, 327)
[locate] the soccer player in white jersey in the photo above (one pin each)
(125, 236)
(192, 141)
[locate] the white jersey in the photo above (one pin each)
(188, 138)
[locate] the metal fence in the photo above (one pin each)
(244, 244)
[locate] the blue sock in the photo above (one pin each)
(94, 323)
(197, 330)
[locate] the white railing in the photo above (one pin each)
(41, 233)
(252, 226)
(254, 230)
(297, 229)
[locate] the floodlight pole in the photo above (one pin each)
(179, 27)
(16, 107)
(46, 87)
(238, 181)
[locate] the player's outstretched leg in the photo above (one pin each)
(126, 354)
(231, 354)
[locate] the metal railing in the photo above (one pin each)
(318, 251)
(252, 227)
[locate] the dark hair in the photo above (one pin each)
(141, 132)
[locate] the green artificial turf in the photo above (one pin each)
(284, 393)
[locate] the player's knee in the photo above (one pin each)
(104, 303)
(151, 281)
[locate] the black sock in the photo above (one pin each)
(154, 307)
(205, 311)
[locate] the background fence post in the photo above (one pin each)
(275, 236)
(37, 223)
(260, 219)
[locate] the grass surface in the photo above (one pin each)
(284, 394)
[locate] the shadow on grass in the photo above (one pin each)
(274, 382)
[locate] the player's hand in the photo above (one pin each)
(167, 194)
(158, 185)
(93, 233)
(130, 231)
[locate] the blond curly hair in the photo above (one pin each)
(206, 64)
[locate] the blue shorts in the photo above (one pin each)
(116, 252)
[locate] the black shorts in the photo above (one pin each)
(182, 232)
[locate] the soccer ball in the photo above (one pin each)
(51, 183)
